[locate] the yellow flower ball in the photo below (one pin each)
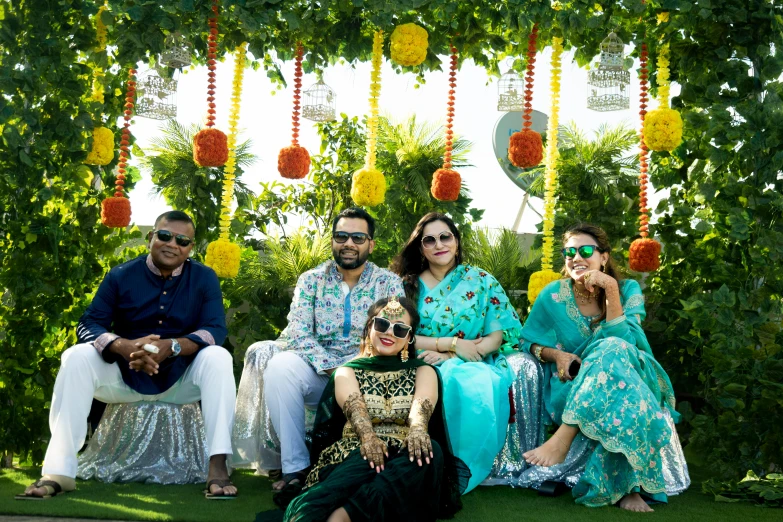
(102, 152)
(223, 257)
(368, 188)
(538, 280)
(409, 44)
(662, 129)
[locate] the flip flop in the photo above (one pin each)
(221, 483)
(52, 488)
(288, 478)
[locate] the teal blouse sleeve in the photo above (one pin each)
(499, 313)
(539, 325)
(629, 325)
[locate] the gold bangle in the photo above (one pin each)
(436, 344)
(453, 347)
(538, 349)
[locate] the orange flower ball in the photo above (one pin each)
(210, 148)
(644, 255)
(525, 149)
(293, 162)
(116, 212)
(446, 184)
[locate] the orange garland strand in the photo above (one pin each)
(643, 164)
(450, 109)
(297, 93)
(212, 63)
(531, 65)
(130, 95)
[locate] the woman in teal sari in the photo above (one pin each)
(466, 319)
(602, 382)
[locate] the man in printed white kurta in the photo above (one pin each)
(282, 377)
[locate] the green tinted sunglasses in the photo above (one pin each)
(585, 251)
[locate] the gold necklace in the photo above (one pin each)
(585, 296)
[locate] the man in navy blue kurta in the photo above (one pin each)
(152, 332)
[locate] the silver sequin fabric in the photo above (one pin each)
(150, 442)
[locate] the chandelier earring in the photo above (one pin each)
(603, 267)
(404, 354)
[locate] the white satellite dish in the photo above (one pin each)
(508, 124)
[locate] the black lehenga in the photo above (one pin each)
(342, 478)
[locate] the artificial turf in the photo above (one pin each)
(94, 499)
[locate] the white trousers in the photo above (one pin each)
(84, 374)
(290, 384)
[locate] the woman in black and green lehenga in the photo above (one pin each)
(379, 441)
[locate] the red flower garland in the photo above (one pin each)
(644, 253)
(210, 146)
(116, 211)
(294, 162)
(525, 148)
(446, 182)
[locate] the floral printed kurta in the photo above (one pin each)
(326, 320)
(617, 397)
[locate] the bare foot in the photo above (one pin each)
(551, 452)
(218, 470)
(339, 515)
(280, 484)
(634, 502)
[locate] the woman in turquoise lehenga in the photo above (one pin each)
(466, 319)
(620, 396)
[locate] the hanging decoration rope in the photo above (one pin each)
(368, 187)
(223, 256)
(409, 44)
(663, 126)
(102, 150)
(97, 71)
(525, 148)
(446, 183)
(210, 145)
(546, 275)
(294, 162)
(116, 210)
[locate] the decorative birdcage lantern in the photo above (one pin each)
(511, 92)
(319, 102)
(177, 51)
(609, 84)
(156, 96)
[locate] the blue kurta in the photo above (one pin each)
(470, 303)
(133, 302)
(618, 397)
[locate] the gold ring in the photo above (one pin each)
(561, 372)
(587, 277)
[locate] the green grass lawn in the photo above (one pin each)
(488, 504)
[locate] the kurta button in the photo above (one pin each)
(160, 322)
(161, 308)
(164, 293)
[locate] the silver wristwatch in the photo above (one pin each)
(175, 348)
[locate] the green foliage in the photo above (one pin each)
(767, 491)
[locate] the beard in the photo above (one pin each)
(349, 264)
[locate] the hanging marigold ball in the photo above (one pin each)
(409, 44)
(293, 162)
(116, 212)
(368, 188)
(210, 148)
(102, 152)
(223, 257)
(644, 255)
(525, 149)
(538, 281)
(446, 184)
(663, 129)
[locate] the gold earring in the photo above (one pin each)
(404, 354)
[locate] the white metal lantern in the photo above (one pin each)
(608, 86)
(156, 96)
(511, 92)
(177, 51)
(319, 102)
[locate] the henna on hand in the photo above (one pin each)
(418, 440)
(371, 448)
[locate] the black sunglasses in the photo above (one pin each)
(165, 236)
(585, 251)
(446, 238)
(358, 237)
(400, 330)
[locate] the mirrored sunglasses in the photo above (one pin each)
(399, 330)
(446, 238)
(165, 236)
(585, 251)
(358, 238)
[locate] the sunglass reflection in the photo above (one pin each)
(181, 239)
(399, 330)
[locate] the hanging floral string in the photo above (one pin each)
(446, 183)
(116, 211)
(294, 162)
(102, 151)
(644, 252)
(525, 148)
(663, 126)
(368, 187)
(223, 255)
(97, 71)
(210, 145)
(546, 275)
(409, 44)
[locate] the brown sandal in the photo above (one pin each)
(52, 488)
(221, 483)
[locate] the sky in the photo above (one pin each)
(266, 120)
